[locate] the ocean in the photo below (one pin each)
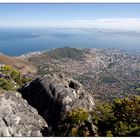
(18, 41)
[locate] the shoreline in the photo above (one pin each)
(135, 52)
(30, 54)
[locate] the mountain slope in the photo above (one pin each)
(66, 52)
(20, 64)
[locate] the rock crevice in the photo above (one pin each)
(53, 95)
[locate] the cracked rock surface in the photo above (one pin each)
(53, 95)
(17, 118)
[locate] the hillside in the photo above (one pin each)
(66, 52)
(20, 64)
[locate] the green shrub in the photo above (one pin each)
(122, 118)
(6, 70)
(74, 123)
(127, 109)
(104, 118)
(109, 134)
(127, 112)
(134, 132)
(6, 84)
(11, 78)
(77, 116)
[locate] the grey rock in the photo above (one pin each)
(17, 118)
(53, 95)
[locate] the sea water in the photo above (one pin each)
(18, 41)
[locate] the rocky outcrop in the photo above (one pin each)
(53, 95)
(17, 118)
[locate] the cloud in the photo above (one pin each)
(109, 23)
(112, 23)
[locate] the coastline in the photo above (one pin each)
(30, 54)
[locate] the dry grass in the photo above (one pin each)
(24, 66)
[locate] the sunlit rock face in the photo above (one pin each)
(17, 118)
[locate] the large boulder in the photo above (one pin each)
(17, 118)
(53, 95)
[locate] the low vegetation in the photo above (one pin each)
(121, 118)
(76, 124)
(11, 79)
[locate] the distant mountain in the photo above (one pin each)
(66, 52)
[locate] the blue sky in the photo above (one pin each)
(125, 16)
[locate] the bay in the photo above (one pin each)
(18, 41)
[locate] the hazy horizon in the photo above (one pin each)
(106, 16)
(21, 41)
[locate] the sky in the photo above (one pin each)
(114, 16)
